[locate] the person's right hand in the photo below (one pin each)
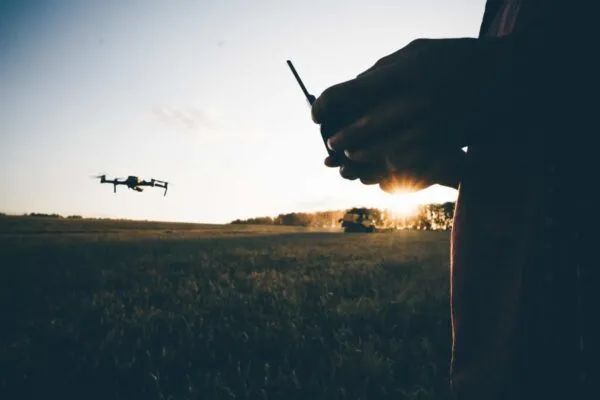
(406, 119)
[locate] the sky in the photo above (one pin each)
(193, 92)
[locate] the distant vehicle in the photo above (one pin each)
(358, 220)
(134, 183)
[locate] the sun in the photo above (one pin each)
(402, 205)
(406, 204)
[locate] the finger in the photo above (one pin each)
(368, 174)
(347, 172)
(329, 129)
(368, 85)
(331, 161)
(369, 88)
(439, 133)
(416, 66)
(407, 168)
(405, 145)
(342, 98)
(353, 171)
(370, 181)
(374, 177)
(389, 118)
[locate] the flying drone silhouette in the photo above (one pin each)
(134, 183)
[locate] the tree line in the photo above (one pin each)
(426, 217)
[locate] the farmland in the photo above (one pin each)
(149, 310)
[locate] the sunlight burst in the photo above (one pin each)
(402, 205)
(406, 203)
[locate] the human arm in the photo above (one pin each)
(439, 95)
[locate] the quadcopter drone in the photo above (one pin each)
(134, 183)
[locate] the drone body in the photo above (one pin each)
(134, 183)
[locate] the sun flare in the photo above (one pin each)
(402, 205)
(406, 204)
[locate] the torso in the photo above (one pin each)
(504, 264)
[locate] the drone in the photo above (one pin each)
(134, 183)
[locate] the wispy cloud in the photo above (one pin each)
(208, 124)
(188, 119)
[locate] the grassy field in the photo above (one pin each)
(133, 310)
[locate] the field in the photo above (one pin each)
(134, 310)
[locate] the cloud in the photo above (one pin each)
(189, 119)
(208, 124)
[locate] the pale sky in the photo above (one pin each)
(194, 92)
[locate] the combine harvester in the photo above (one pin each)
(358, 220)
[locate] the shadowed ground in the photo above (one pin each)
(158, 311)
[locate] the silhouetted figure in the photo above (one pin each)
(524, 269)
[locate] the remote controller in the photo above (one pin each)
(325, 133)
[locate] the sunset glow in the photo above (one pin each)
(403, 205)
(195, 93)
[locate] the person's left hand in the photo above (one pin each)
(410, 114)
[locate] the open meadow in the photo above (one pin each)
(148, 310)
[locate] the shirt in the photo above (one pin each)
(520, 309)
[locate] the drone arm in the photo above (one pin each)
(161, 184)
(106, 181)
(156, 183)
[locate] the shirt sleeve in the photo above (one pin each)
(537, 72)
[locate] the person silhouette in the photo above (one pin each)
(523, 286)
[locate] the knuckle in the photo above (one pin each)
(314, 114)
(358, 155)
(369, 181)
(347, 174)
(416, 43)
(323, 104)
(361, 124)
